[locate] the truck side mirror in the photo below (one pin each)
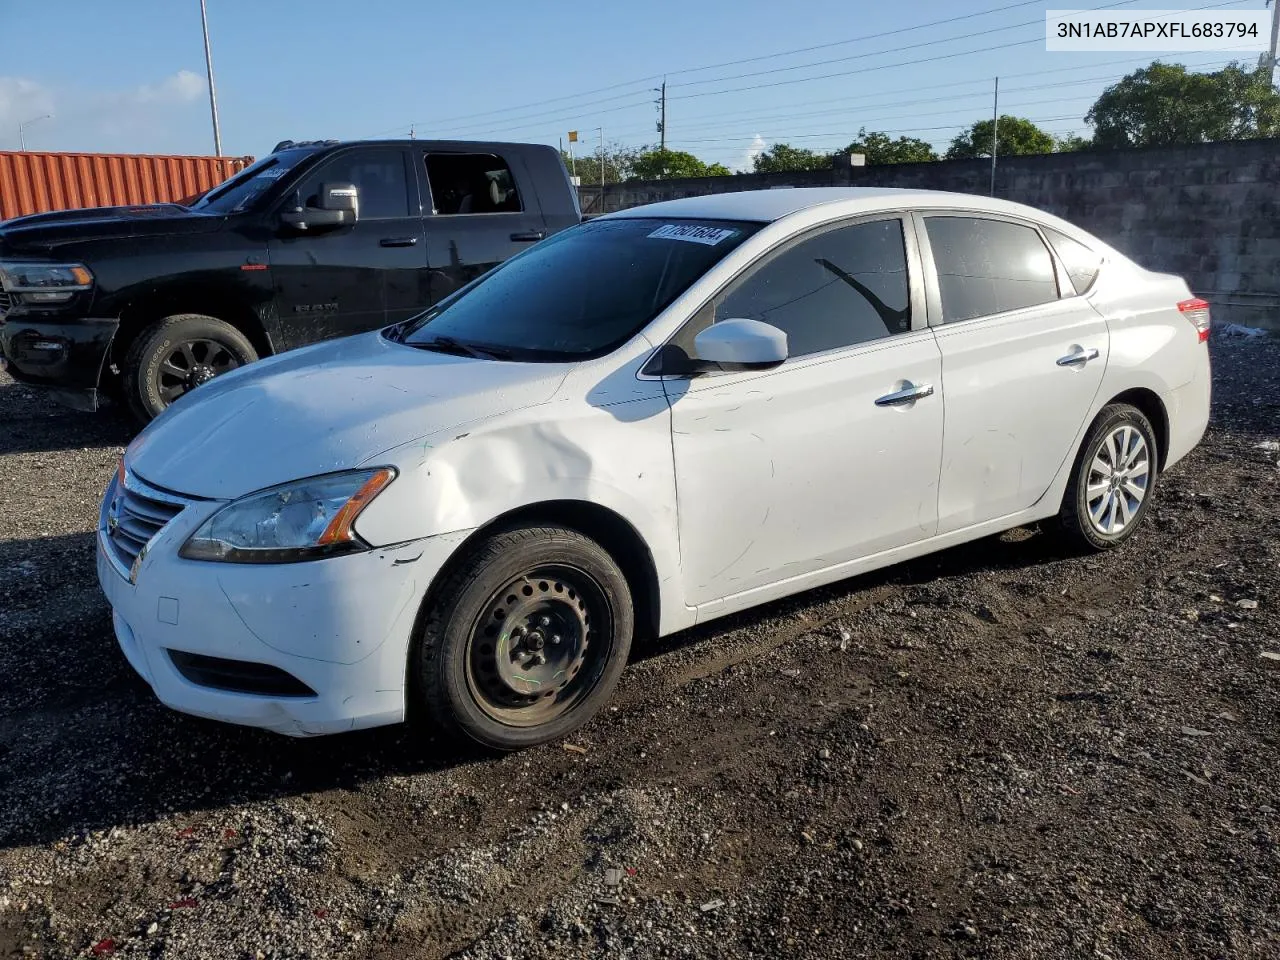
(339, 206)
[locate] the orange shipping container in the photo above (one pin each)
(32, 182)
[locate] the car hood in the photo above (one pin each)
(44, 232)
(333, 406)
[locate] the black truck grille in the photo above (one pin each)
(5, 303)
(133, 519)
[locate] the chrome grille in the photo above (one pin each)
(135, 513)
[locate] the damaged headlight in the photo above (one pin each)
(303, 520)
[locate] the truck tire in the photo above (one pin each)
(524, 641)
(171, 358)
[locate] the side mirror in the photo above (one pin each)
(339, 207)
(741, 343)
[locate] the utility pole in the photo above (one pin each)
(662, 115)
(1275, 40)
(995, 133)
(213, 97)
(602, 169)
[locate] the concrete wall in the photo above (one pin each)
(1210, 212)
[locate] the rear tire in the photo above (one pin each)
(1112, 480)
(526, 639)
(171, 358)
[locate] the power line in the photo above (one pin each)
(728, 63)
(904, 63)
(538, 120)
(852, 109)
(818, 136)
(864, 37)
(951, 85)
(877, 53)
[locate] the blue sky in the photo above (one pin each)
(129, 75)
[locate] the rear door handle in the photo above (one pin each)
(1078, 357)
(397, 241)
(528, 236)
(908, 394)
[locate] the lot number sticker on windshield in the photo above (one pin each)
(694, 234)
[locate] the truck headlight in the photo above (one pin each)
(303, 520)
(44, 282)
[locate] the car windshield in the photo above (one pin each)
(243, 189)
(581, 293)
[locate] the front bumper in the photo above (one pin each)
(66, 357)
(342, 626)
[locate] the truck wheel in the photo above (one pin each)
(525, 640)
(173, 357)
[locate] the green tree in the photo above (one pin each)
(1070, 143)
(669, 164)
(618, 164)
(783, 158)
(880, 149)
(1018, 136)
(1165, 103)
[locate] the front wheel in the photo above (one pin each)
(526, 639)
(173, 357)
(1112, 480)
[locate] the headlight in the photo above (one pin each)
(44, 282)
(303, 520)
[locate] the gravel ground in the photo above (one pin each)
(998, 751)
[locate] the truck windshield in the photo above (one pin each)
(238, 193)
(581, 293)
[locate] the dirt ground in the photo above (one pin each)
(998, 751)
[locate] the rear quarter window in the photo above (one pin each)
(1082, 263)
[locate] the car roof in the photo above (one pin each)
(766, 206)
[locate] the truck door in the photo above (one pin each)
(481, 209)
(348, 279)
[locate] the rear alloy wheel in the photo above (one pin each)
(178, 354)
(528, 638)
(1112, 480)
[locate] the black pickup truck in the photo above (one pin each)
(318, 240)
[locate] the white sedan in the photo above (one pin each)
(650, 420)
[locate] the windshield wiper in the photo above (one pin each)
(450, 345)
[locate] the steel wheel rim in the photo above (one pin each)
(1118, 479)
(539, 645)
(191, 363)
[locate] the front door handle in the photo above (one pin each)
(397, 241)
(908, 394)
(528, 236)
(1078, 357)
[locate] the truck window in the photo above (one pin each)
(379, 175)
(242, 190)
(471, 183)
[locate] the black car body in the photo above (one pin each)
(317, 240)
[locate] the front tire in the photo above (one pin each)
(171, 358)
(1112, 480)
(526, 639)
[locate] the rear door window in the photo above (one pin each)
(989, 266)
(1082, 263)
(471, 183)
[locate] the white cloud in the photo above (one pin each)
(747, 162)
(147, 118)
(21, 100)
(183, 87)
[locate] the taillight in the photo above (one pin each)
(1197, 311)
